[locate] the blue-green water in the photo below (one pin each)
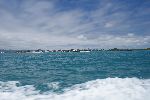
(60, 72)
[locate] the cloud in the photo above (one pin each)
(82, 37)
(125, 41)
(109, 24)
(43, 24)
(130, 34)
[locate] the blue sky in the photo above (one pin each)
(59, 24)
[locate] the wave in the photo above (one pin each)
(100, 89)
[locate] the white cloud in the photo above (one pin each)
(41, 24)
(124, 41)
(82, 37)
(130, 34)
(109, 24)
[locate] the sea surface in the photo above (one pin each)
(102, 75)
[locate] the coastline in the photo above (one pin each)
(68, 50)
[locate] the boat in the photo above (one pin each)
(84, 51)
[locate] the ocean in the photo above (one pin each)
(101, 75)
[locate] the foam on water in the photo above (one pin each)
(100, 89)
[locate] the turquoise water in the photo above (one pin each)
(61, 74)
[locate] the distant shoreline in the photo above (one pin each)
(66, 50)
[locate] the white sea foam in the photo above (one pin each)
(100, 89)
(53, 85)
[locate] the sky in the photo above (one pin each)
(65, 24)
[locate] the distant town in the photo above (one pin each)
(67, 50)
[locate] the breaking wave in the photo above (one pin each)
(100, 89)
